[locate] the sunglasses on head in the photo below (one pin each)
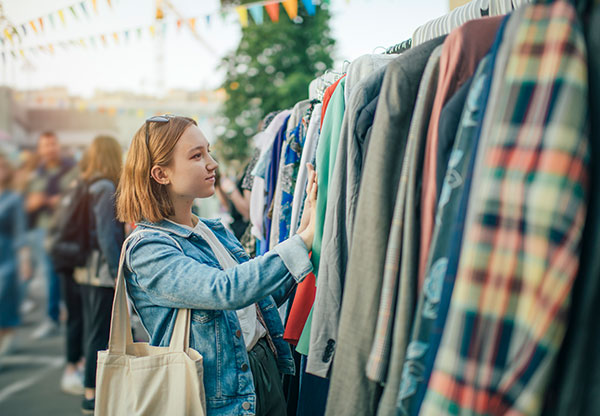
(165, 118)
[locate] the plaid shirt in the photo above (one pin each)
(520, 251)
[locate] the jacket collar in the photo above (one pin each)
(177, 229)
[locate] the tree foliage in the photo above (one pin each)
(270, 70)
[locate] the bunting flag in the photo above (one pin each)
(243, 14)
(192, 22)
(291, 7)
(51, 20)
(109, 3)
(103, 40)
(273, 11)
(61, 14)
(14, 55)
(139, 32)
(178, 25)
(257, 14)
(92, 41)
(41, 20)
(82, 43)
(310, 7)
(8, 35)
(51, 48)
(207, 20)
(95, 5)
(24, 30)
(152, 30)
(73, 11)
(32, 24)
(116, 36)
(164, 28)
(126, 35)
(82, 4)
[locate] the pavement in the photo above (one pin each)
(30, 376)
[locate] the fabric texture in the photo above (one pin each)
(326, 155)
(520, 253)
(463, 49)
(409, 246)
(344, 185)
(267, 381)
(350, 390)
(393, 287)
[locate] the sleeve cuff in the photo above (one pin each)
(294, 255)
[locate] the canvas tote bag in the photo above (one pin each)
(139, 379)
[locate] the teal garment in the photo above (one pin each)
(326, 153)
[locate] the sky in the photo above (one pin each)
(359, 27)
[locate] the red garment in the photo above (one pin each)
(463, 49)
(307, 289)
(326, 97)
(303, 301)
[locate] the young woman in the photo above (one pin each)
(176, 260)
(13, 255)
(102, 169)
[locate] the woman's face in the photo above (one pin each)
(192, 171)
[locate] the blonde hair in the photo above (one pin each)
(103, 158)
(8, 180)
(140, 197)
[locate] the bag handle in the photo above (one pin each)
(120, 326)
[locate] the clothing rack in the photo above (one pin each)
(399, 47)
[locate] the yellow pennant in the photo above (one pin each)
(61, 14)
(116, 36)
(8, 35)
(152, 30)
(291, 8)
(243, 13)
(95, 5)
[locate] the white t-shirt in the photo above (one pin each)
(252, 329)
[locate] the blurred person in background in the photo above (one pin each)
(236, 200)
(49, 180)
(28, 163)
(14, 256)
(102, 169)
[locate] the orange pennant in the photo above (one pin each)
(33, 26)
(95, 5)
(273, 11)
(41, 20)
(116, 36)
(193, 24)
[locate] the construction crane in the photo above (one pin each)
(161, 7)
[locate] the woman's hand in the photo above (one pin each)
(307, 224)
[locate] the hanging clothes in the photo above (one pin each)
(350, 391)
(520, 251)
(332, 268)
(263, 142)
(387, 352)
(291, 152)
(326, 154)
(463, 50)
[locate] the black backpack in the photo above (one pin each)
(70, 233)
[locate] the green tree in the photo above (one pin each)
(270, 70)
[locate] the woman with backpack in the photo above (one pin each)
(175, 260)
(97, 279)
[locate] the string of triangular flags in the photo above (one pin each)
(42, 23)
(255, 10)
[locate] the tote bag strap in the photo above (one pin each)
(120, 326)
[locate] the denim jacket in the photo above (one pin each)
(169, 267)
